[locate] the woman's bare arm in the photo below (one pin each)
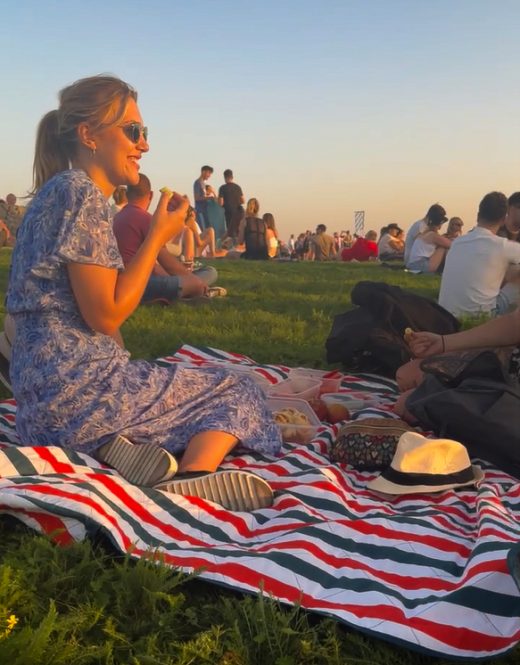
(106, 297)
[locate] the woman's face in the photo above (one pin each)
(116, 158)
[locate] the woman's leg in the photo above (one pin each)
(206, 451)
(206, 239)
(436, 259)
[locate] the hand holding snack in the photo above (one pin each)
(423, 344)
(167, 190)
(166, 222)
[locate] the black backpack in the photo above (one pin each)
(480, 407)
(370, 338)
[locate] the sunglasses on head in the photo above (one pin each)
(133, 131)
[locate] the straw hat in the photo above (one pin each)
(426, 465)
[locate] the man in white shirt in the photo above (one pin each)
(482, 272)
(436, 215)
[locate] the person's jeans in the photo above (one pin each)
(168, 287)
(507, 299)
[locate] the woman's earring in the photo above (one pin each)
(93, 151)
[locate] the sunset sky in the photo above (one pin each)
(320, 108)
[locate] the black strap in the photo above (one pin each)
(407, 479)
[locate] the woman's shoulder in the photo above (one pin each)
(70, 184)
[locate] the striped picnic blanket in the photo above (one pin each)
(434, 572)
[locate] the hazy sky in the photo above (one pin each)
(320, 107)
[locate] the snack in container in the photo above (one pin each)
(297, 421)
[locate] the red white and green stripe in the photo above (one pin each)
(432, 572)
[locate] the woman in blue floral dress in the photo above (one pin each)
(69, 293)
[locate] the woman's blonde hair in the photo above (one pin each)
(455, 224)
(99, 101)
(252, 208)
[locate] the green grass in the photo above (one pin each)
(86, 604)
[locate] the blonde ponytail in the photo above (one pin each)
(50, 157)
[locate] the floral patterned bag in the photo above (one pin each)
(368, 444)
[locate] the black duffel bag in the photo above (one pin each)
(480, 407)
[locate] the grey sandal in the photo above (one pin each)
(233, 490)
(143, 464)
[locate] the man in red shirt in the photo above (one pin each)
(170, 279)
(364, 249)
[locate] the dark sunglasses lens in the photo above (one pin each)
(133, 132)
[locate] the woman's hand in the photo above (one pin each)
(423, 344)
(167, 224)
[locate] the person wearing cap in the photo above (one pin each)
(482, 270)
(428, 249)
(390, 247)
(436, 213)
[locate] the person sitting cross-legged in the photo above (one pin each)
(192, 242)
(170, 279)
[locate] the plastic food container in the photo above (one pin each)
(328, 384)
(297, 387)
(351, 402)
(290, 431)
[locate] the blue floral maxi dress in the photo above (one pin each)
(76, 387)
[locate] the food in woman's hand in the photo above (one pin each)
(166, 190)
(408, 332)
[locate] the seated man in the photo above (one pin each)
(481, 274)
(323, 244)
(364, 249)
(170, 279)
(390, 247)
